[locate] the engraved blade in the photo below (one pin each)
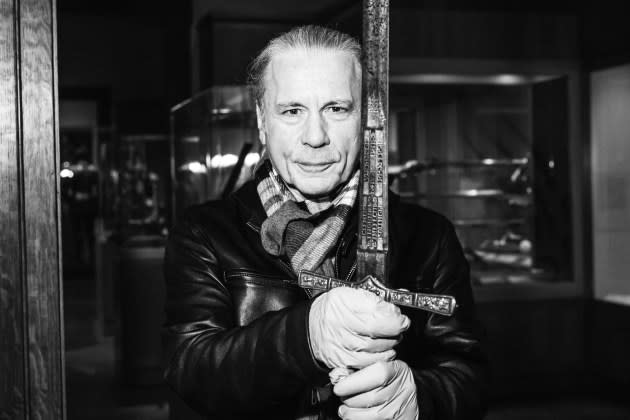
(373, 230)
(439, 304)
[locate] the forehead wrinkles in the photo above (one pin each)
(301, 55)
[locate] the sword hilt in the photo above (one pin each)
(439, 304)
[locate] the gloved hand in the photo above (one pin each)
(354, 328)
(384, 390)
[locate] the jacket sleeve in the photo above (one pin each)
(451, 370)
(215, 365)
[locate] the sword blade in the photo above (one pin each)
(373, 229)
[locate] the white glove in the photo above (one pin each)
(354, 328)
(384, 390)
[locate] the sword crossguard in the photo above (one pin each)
(439, 304)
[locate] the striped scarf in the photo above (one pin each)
(303, 230)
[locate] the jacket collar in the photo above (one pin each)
(252, 209)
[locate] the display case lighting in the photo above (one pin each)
(194, 167)
(223, 161)
(251, 159)
(509, 79)
(66, 173)
(469, 79)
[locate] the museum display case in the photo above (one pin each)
(492, 153)
(214, 145)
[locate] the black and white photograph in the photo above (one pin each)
(325, 210)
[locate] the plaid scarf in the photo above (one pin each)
(303, 230)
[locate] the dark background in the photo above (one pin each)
(556, 356)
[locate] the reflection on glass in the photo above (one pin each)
(471, 152)
(214, 143)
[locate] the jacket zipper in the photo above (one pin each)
(341, 246)
(337, 257)
(351, 272)
(287, 267)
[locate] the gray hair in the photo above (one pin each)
(301, 37)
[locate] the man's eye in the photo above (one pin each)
(338, 110)
(292, 111)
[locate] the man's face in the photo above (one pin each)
(311, 118)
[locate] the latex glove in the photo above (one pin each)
(354, 328)
(384, 390)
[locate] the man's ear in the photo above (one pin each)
(261, 125)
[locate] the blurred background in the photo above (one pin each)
(511, 119)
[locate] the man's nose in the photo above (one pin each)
(315, 134)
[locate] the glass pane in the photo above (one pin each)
(215, 144)
(471, 152)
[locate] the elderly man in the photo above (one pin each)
(244, 341)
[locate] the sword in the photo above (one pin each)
(373, 187)
(439, 304)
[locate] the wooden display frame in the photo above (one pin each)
(32, 380)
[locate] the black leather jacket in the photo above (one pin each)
(236, 334)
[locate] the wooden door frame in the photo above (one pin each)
(32, 384)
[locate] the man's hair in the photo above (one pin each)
(301, 37)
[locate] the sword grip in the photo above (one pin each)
(438, 304)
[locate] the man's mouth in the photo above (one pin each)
(314, 167)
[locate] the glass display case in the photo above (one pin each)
(214, 145)
(491, 155)
(134, 187)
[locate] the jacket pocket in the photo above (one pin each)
(254, 294)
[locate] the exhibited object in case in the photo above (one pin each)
(484, 156)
